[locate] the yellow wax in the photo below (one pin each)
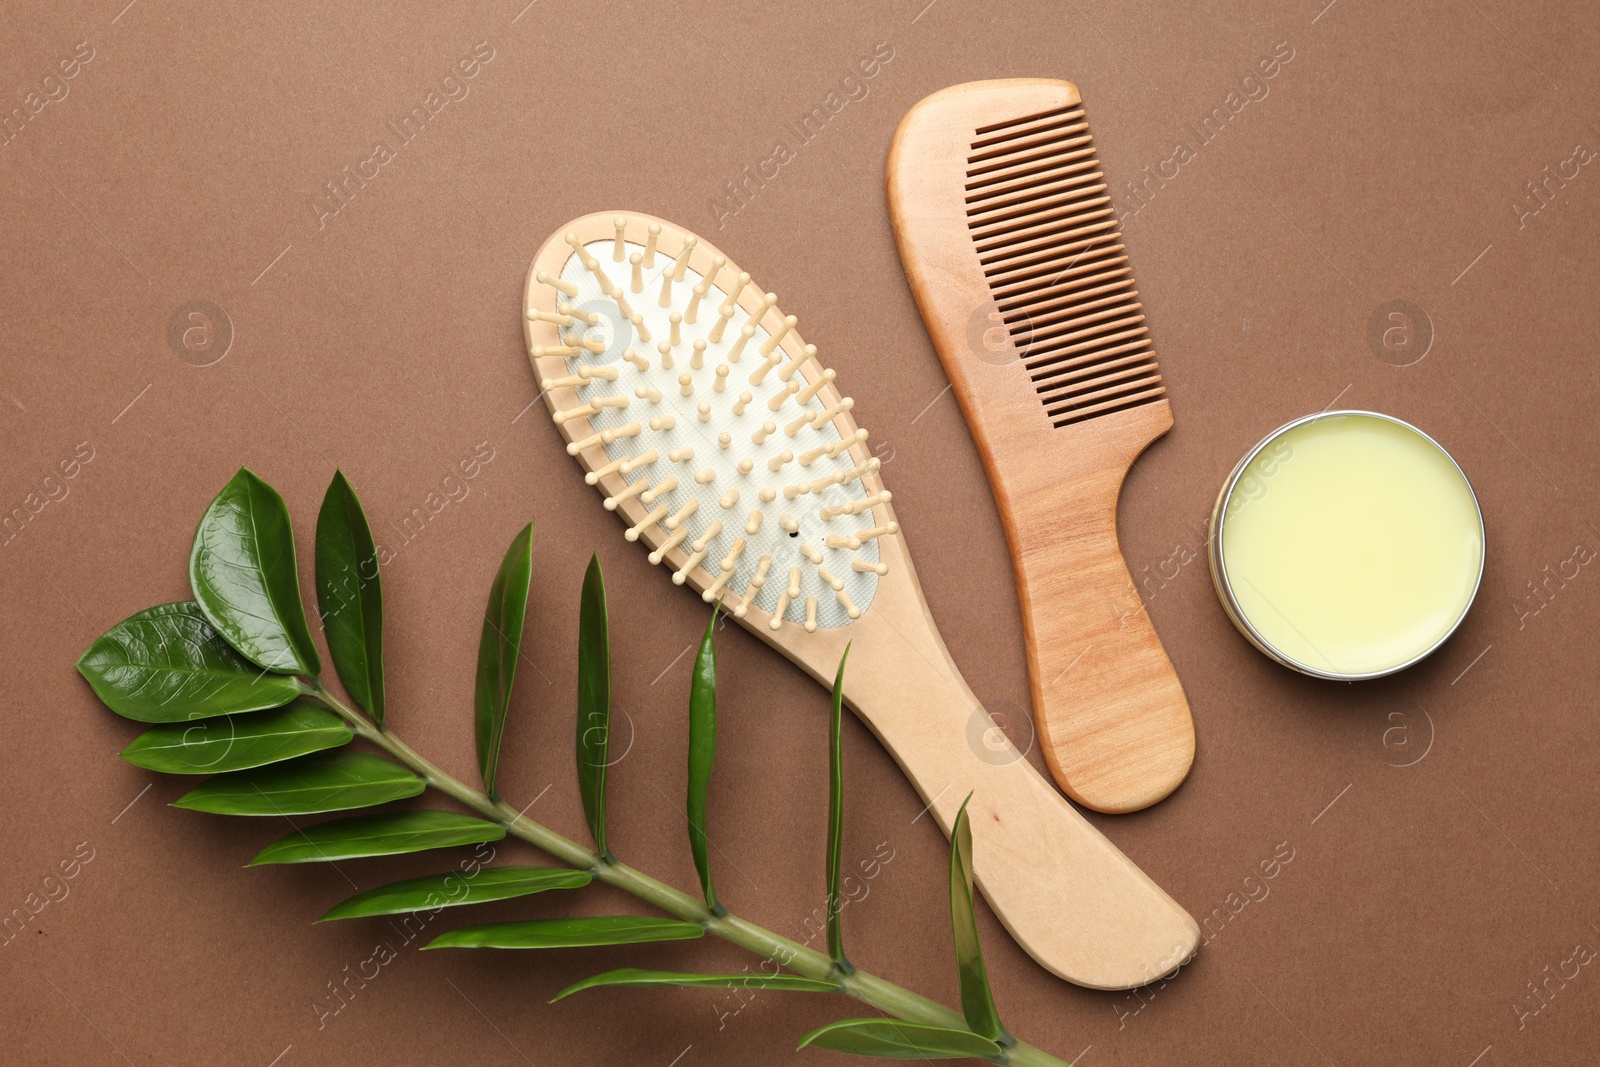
(1352, 544)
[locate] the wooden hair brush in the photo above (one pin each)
(1010, 242)
(721, 442)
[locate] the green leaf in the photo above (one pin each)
(455, 888)
(594, 701)
(498, 650)
(350, 593)
(702, 750)
(386, 833)
(896, 1040)
(569, 933)
(167, 664)
(632, 976)
(242, 570)
(977, 1001)
(836, 819)
(325, 781)
(238, 742)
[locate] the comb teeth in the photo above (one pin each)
(1046, 235)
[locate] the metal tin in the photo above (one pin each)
(1219, 571)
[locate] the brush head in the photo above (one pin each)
(707, 423)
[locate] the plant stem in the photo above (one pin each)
(882, 994)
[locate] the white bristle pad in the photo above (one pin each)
(618, 335)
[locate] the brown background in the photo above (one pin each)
(1383, 164)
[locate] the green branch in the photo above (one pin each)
(868, 988)
(232, 682)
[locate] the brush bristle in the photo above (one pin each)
(711, 428)
(1047, 239)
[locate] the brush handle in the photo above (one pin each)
(1112, 717)
(1078, 906)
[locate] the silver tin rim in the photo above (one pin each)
(1219, 570)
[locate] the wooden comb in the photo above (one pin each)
(718, 437)
(1011, 245)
